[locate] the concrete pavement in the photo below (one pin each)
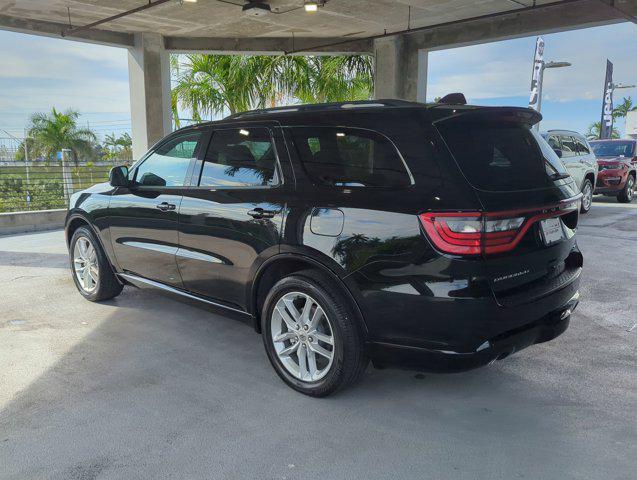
(146, 387)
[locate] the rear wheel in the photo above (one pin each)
(312, 335)
(587, 196)
(626, 195)
(92, 272)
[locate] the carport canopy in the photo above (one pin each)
(399, 33)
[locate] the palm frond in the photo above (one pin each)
(212, 84)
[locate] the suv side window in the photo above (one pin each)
(569, 149)
(349, 157)
(554, 142)
(582, 148)
(167, 165)
(240, 157)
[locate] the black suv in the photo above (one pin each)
(434, 237)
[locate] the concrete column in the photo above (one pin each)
(400, 69)
(149, 81)
(421, 85)
(388, 60)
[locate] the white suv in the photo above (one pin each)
(578, 158)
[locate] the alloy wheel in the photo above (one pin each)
(85, 264)
(303, 337)
(587, 196)
(629, 188)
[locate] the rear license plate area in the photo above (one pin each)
(551, 231)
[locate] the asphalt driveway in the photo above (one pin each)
(146, 387)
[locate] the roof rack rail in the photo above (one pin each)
(324, 106)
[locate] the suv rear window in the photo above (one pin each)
(349, 157)
(500, 156)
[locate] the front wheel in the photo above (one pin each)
(312, 335)
(587, 196)
(626, 195)
(92, 272)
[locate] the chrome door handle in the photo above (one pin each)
(261, 213)
(165, 206)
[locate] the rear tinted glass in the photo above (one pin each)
(240, 157)
(349, 157)
(501, 156)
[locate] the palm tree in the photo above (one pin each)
(621, 110)
(52, 132)
(110, 142)
(594, 130)
(337, 79)
(214, 84)
(211, 84)
(125, 143)
(119, 147)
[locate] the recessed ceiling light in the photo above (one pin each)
(188, 1)
(256, 8)
(340, 134)
(244, 132)
(311, 6)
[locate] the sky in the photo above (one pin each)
(500, 73)
(39, 73)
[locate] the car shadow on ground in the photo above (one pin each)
(157, 377)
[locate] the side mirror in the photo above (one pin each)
(558, 152)
(118, 177)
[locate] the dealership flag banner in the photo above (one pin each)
(606, 127)
(536, 78)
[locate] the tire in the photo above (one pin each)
(626, 195)
(587, 196)
(336, 321)
(86, 253)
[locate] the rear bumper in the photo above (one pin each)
(497, 348)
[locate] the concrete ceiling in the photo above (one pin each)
(220, 19)
(221, 26)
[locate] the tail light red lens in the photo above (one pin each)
(483, 233)
(471, 233)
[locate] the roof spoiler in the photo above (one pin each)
(527, 116)
(453, 99)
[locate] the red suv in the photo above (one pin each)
(617, 161)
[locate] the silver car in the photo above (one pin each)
(578, 158)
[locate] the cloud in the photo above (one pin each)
(503, 69)
(40, 73)
(94, 95)
(30, 56)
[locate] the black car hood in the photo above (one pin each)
(98, 188)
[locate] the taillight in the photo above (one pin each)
(471, 233)
(484, 233)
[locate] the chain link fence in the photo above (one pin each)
(36, 185)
